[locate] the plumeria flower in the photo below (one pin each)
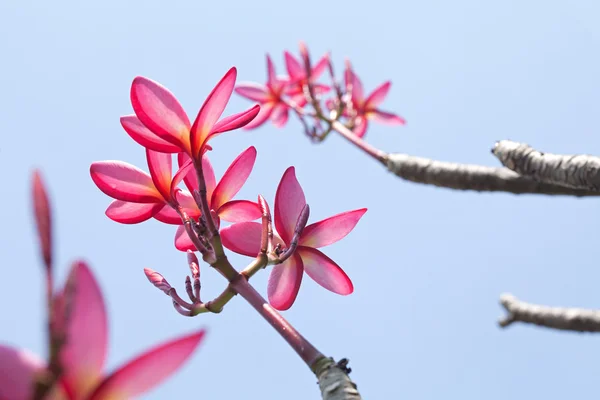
(269, 96)
(367, 108)
(84, 353)
(284, 281)
(161, 124)
(220, 195)
(298, 78)
(139, 195)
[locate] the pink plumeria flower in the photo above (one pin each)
(139, 195)
(284, 281)
(367, 108)
(161, 124)
(84, 353)
(220, 195)
(298, 78)
(269, 96)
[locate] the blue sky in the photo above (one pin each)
(428, 264)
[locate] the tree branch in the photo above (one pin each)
(575, 171)
(334, 382)
(566, 319)
(472, 177)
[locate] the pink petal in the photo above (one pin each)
(125, 212)
(188, 203)
(234, 178)
(271, 75)
(191, 178)
(211, 110)
(184, 168)
(360, 127)
(123, 181)
(331, 230)
(280, 115)
(144, 136)
(294, 68)
(284, 283)
(325, 271)
(320, 67)
(358, 94)
(265, 112)
(167, 215)
(378, 95)
(235, 121)
(161, 168)
(158, 109)
(17, 371)
(43, 218)
(239, 211)
(253, 91)
(242, 238)
(183, 241)
(148, 370)
(289, 202)
(387, 118)
(87, 336)
(209, 177)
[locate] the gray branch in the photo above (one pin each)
(574, 171)
(334, 382)
(567, 319)
(472, 177)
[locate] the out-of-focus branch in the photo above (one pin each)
(566, 319)
(472, 177)
(575, 171)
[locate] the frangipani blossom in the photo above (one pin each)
(220, 195)
(298, 78)
(161, 124)
(284, 281)
(269, 96)
(84, 353)
(367, 108)
(139, 195)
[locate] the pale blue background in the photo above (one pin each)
(428, 264)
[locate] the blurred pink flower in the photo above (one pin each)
(84, 353)
(298, 79)
(284, 281)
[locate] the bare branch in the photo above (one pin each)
(472, 177)
(567, 319)
(575, 171)
(334, 382)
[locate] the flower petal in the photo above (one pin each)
(330, 230)
(386, 118)
(85, 349)
(123, 181)
(295, 69)
(289, 202)
(211, 110)
(183, 241)
(264, 113)
(17, 371)
(320, 67)
(242, 238)
(378, 95)
(360, 126)
(358, 93)
(148, 370)
(158, 109)
(191, 178)
(235, 121)
(234, 178)
(253, 91)
(239, 211)
(188, 203)
(144, 136)
(161, 168)
(280, 115)
(126, 212)
(284, 282)
(167, 215)
(271, 74)
(325, 271)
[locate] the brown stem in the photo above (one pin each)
(347, 134)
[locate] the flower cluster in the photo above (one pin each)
(300, 88)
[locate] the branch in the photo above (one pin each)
(472, 177)
(575, 171)
(334, 382)
(566, 319)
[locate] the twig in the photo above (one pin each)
(567, 319)
(575, 171)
